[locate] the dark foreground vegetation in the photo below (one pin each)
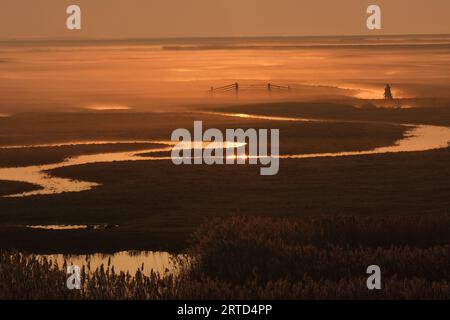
(13, 187)
(157, 205)
(264, 258)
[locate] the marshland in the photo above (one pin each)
(361, 180)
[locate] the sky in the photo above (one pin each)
(24, 19)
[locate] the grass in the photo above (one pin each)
(13, 187)
(431, 111)
(327, 247)
(66, 127)
(21, 157)
(314, 258)
(157, 205)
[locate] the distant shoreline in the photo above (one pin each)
(224, 38)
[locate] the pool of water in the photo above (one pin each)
(70, 226)
(58, 227)
(126, 261)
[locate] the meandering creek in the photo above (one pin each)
(418, 138)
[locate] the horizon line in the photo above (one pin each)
(56, 39)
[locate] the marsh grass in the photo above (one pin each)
(265, 258)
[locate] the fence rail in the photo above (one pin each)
(236, 88)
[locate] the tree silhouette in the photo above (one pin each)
(388, 93)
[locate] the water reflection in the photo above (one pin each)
(262, 117)
(125, 261)
(107, 107)
(38, 175)
(58, 227)
(418, 138)
(120, 69)
(71, 227)
(80, 143)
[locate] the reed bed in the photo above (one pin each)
(266, 258)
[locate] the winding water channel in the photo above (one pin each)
(418, 138)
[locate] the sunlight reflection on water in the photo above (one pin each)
(58, 227)
(419, 138)
(106, 107)
(125, 261)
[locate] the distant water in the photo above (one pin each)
(254, 42)
(115, 75)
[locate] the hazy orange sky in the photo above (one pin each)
(210, 18)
